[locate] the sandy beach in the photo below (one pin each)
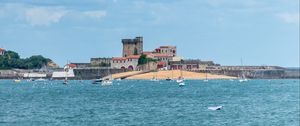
(172, 74)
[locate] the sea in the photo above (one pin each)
(148, 103)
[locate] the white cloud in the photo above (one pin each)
(44, 15)
(292, 18)
(95, 14)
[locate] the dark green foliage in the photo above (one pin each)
(144, 60)
(12, 59)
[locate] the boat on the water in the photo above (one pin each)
(242, 78)
(181, 84)
(17, 80)
(66, 68)
(40, 79)
(154, 79)
(65, 81)
(206, 78)
(180, 79)
(96, 81)
(108, 81)
(214, 108)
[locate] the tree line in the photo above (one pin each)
(12, 60)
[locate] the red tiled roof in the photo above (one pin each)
(147, 53)
(133, 57)
(72, 65)
(1, 49)
(161, 55)
(119, 58)
(161, 63)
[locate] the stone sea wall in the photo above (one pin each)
(96, 73)
(258, 74)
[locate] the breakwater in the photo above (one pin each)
(258, 74)
(96, 73)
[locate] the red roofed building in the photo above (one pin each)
(161, 64)
(2, 51)
(163, 58)
(147, 53)
(72, 66)
(129, 62)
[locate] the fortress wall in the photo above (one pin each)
(96, 73)
(256, 74)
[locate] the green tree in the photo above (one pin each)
(11, 55)
(142, 60)
(11, 59)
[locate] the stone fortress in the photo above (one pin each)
(132, 46)
(168, 59)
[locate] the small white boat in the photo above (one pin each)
(96, 81)
(214, 108)
(106, 82)
(243, 80)
(41, 79)
(181, 84)
(206, 77)
(65, 81)
(154, 79)
(17, 81)
(179, 81)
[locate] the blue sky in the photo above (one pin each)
(261, 32)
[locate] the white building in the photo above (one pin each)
(68, 72)
(170, 50)
(34, 75)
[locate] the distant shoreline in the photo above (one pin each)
(90, 74)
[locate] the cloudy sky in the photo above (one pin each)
(262, 32)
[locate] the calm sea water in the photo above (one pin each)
(138, 103)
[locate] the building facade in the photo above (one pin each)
(169, 50)
(129, 62)
(190, 65)
(80, 65)
(132, 46)
(101, 61)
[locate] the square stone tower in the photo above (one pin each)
(132, 46)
